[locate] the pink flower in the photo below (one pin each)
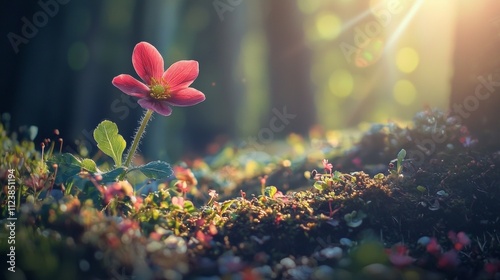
(178, 201)
(118, 189)
(186, 179)
(281, 196)
(213, 194)
(460, 240)
(160, 89)
(449, 259)
(398, 256)
(433, 247)
(327, 166)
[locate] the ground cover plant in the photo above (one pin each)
(395, 204)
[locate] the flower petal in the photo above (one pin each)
(186, 97)
(160, 107)
(181, 74)
(147, 61)
(130, 86)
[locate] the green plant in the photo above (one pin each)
(398, 172)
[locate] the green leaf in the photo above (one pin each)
(336, 176)
(154, 170)
(320, 185)
(110, 176)
(421, 189)
(89, 165)
(226, 204)
(189, 207)
(109, 141)
(271, 191)
(67, 166)
(401, 156)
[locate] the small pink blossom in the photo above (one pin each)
(204, 238)
(449, 259)
(433, 247)
(161, 89)
(357, 162)
(263, 180)
(463, 238)
(327, 166)
(279, 195)
(128, 227)
(186, 179)
(213, 194)
(398, 256)
(468, 141)
(118, 189)
(178, 201)
(460, 240)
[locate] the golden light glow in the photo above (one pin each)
(341, 83)
(328, 26)
(407, 60)
(404, 92)
(376, 4)
(308, 7)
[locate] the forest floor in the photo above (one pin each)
(416, 202)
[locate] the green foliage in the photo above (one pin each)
(355, 218)
(320, 185)
(379, 177)
(227, 204)
(119, 221)
(89, 165)
(112, 175)
(154, 170)
(109, 141)
(67, 167)
(271, 191)
(189, 207)
(399, 163)
(401, 156)
(421, 189)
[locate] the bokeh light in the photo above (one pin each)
(118, 13)
(308, 7)
(407, 60)
(78, 56)
(341, 83)
(404, 92)
(328, 26)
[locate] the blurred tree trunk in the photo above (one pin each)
(475, 86)
(289, 65)
(216, 45)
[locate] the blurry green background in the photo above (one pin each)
(338, 64)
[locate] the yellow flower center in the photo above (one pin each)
(159, 91)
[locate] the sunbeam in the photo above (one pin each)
(404, 23)
(356, 19)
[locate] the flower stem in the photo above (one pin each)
(137, 137)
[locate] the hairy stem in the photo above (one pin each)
(137, 137)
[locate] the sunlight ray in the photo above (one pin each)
(404, 23)
(350, 23)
